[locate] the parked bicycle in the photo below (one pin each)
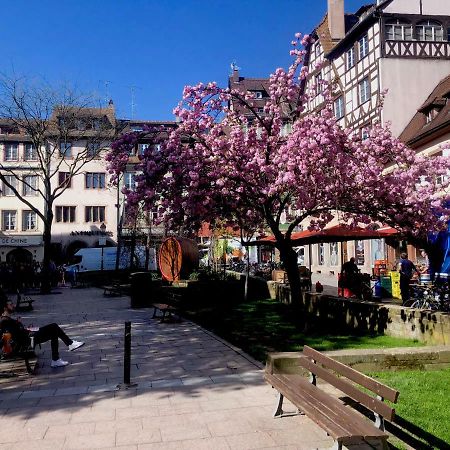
(434, 298)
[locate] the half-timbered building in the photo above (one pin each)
(383, 61)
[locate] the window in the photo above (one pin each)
(286, 129)
(321, 254)
(364, 91)
(92, 149)
(431, 114)
(65, 149)
(258, 94)
(317, 50)
(96, 124)
(365, 133)
(397, 30)
(142, 148)
(95, 180)
(29, 222)
(94, 213)
(9, 220)
(130, 181)
(30, 153)
(363, 44)
(339, 107)
(11, 153)
(64, 179)
(12, 180)
(260, 110)
(318, 83)
(65, 213)
(333, 254)
(30, 185)
(137, 129)
(351, 58)
(429, 30)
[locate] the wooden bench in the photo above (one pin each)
(170, 308)
(23, 302)
(341, 422)
(9, 361)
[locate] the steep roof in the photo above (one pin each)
(420, 130)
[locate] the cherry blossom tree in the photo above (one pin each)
(242, 168)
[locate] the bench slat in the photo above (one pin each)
(339, 421)
(363, 380)
(365, 399)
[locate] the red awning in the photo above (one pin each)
(337, 233)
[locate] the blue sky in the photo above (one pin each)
(158, 46)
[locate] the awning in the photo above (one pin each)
(337, 233)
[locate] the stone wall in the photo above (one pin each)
(432, 328)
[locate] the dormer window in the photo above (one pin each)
(258, 94)
(398, 30)
(431, 114)
(429, 30)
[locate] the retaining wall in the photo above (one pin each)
(432, 328)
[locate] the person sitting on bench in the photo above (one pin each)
(21, 336)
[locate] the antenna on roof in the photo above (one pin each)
(106, 84)
(133, 99)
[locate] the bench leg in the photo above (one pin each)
(279, 409)
(154, 312)
(379, 422)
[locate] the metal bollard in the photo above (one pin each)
(127, 354)
(127, 359)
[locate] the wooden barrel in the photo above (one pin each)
(178, 257)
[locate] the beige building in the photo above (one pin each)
(21, 228)
(85, 212)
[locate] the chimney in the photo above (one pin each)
(336, 21)
(235, 75)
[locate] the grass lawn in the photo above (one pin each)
(263, 326)
(423, 407)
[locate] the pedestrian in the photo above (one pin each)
(22, 337)
(406, 269)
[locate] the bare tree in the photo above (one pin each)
(51, 122)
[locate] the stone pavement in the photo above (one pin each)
(194, 390)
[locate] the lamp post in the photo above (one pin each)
(102, 241)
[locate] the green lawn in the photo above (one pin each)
(263, 326)
(423, 408)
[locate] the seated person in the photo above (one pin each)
(21, 336)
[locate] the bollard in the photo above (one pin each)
(127, 354)
(127, 359)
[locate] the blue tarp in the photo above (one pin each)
(439, 253)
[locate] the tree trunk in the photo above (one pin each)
(289, 259)
(46, 282)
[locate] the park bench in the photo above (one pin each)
(23, 302)
(342, 423)
(170, 308)
(9, 361)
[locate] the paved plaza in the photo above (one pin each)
(194, 390)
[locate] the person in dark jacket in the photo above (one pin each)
(21, 336)
(406, 269)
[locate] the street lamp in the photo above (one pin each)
(102, 241)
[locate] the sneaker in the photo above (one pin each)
(59, 363)
(74, 345)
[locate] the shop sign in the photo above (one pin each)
(20, 241)
(91, 233)
(359, 253)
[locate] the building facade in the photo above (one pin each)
(383, 62)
